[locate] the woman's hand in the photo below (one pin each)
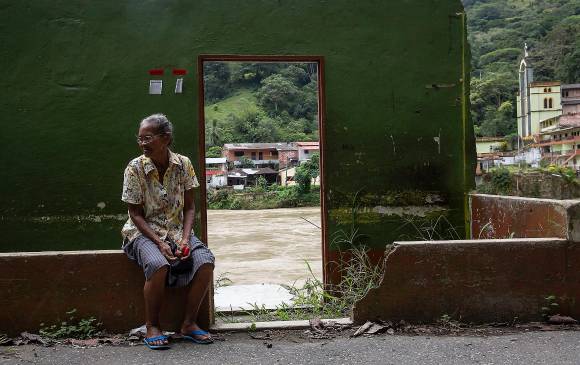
(184, 248)
(166, 251)
(137, 216)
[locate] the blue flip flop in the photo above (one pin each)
(156, 347)
(190, 337)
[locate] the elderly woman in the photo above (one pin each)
(158, 189)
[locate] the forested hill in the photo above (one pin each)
(497, 32)
(259, 102)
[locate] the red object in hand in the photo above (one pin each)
(185, 251)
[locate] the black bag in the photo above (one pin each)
(179, 266)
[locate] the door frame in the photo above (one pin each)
(321, 142)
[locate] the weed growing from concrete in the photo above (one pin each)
(73, 328)
(430, 229)
(222, 280)
(550, 307)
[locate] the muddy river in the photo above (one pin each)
(265, 246)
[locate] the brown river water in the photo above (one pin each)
(265, 246)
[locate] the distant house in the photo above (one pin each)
(288, 156)
(491, 152)
(489, 144)
(571, 99)
(215, 172)
(219, 163)
(261, 154)
(306, 150)
(560, 140)
(248, 176)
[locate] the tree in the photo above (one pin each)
(499, 122)
(213, 135)
(276, 94)
(216, 79)
(307, 171)
(559, 52)
(253, 127)
(245, 163)
(296, 74)
(214, 152)
(488, 94)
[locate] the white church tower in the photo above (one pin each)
(536, 101)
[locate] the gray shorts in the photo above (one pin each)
(149, 258)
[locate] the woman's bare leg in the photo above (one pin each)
(197, 292)
(154, 291)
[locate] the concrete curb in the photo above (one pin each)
(276, 325)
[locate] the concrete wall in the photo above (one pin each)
(495, 216)
(41, 287)
(475, 281)
(76, 85)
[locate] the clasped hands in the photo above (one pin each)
(181, 253)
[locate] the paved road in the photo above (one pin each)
(557, 347)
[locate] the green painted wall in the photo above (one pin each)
(74, 87)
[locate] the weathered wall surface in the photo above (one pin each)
(41, 287)
(76, 81)
(475, 281)
(544, 185)
(497, 216)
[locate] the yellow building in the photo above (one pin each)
(541, 101)
(536, 101)
(560, 140)
(489, 144)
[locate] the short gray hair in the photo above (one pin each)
(161, 123)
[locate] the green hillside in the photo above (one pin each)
(243, 101)
(260, 102)
(497, 31)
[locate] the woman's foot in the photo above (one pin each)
(191, 329)
(154, 331)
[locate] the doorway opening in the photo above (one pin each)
(261, 137)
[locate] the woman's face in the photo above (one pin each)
(151, 142)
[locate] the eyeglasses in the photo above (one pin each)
(147, 138)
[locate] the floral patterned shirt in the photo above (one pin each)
(162, 203)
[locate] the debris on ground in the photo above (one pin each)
(138, 332)
(265, 335)
(456, 328)
(373, 328)
(115, 340)
(26, 338)
(319, 330)
(92, 342)
(32, 338)
(558, 319)
(5, 340)
(362, 329)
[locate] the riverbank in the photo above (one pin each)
(271, 197)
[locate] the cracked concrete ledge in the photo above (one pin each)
(495, 216)
(474, 281)
(562, 202)
(40, 287)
